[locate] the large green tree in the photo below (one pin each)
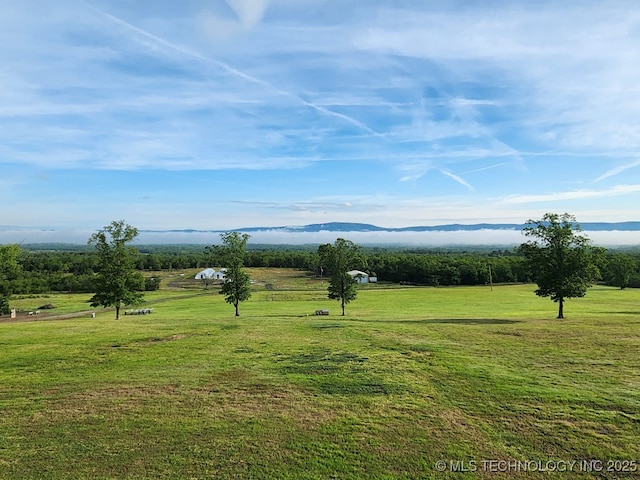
(620, 268)
(117, 282)
(340, 258)
(236, 284)
(8, 269)
(563, 262)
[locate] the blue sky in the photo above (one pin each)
(223, 114)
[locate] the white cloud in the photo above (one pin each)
(617, 170)
(456, 178)
(488, 167)
(618, 190)
(531, 99)
(249, 12)
(365, 70)
(579, 79)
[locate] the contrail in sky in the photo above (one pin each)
(617, 170)
(457, 178)
(485, 168)
(234, 71)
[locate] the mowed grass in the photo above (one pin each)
(409, 377)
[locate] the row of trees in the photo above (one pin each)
(118, 282)
(74, 271)
(561, 260)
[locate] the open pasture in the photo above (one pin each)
(409, 377)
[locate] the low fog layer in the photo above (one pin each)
(437, 238)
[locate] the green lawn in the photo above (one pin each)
(408, 377)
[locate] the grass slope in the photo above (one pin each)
(409, 377)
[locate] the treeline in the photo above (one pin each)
(62, 271)
(42, 271)
(449, 269)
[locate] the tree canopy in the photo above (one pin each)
(236, 284)
(8, 269)
(339, 259)
(620, 269)
(563, 262)
(117, 282)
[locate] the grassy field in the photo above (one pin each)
(410, 377)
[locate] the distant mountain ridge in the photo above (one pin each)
(505, 234)
(365, 227)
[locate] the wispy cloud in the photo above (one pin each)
(617, 170)
(249, 13)
(488, 167)
(319, 204)
(581, 88)
(618, 190)
(491, 110)
(456, 178)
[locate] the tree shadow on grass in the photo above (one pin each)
(471, 321)
(284, 315)
(452, 321)
(627, 312)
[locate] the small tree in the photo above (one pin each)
(563, 262)
(117, 282)
(9, 268)
(339, 258)
(4, 304)
(236, 284)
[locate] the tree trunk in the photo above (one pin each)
(117, 312)
(237, 310)
(343, 307)
(561, 308)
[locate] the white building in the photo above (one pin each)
(211, 274)
(362, 277)
(206, 273)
